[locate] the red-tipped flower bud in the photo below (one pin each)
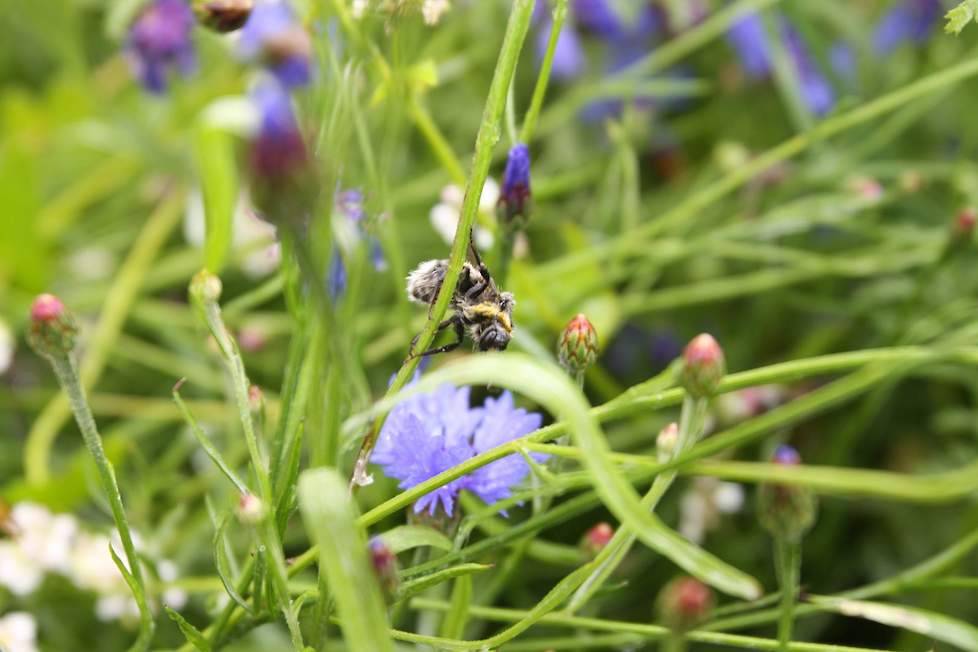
(683, 603)
(578, 345)
(665, 443)
(385, 565)
(703, 366)
(255, 398)
(596, 539)
(786, 511)
(224, 15)
(251, 509)
(53, 329)
(964, 222)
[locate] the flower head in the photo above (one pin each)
(703, 366)
(274, 35)
(53, 329)
(429, 433)
(684, 602)
(816, 91)
(18, 632)
(907, 20)
(595, 539)
(786, 511)
(577, 348)
(160, 39)
(384, 563)
(514, 200)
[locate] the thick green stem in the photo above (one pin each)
(488, 136)
(67, 373)
(788, 559)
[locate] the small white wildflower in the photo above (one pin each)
(18, 573)
(432, 10)
(7, 346)
(45, 537)
(90, 263)
(117, 606)
(702, 505)
(18, 632)
(445, 214)
(92, 567)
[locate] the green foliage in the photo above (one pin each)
(959, 16)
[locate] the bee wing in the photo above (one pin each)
(473, 253)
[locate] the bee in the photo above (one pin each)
(477, 304)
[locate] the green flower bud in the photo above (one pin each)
(786, 511)
(684, 603)
(703, 366)
(53, 329)
(578, 345)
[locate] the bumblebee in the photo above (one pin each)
(477, 305)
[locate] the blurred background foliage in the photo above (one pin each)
(844, 247)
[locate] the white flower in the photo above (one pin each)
(749, 402)
(18, 572)
(432, 10)
(444, 215)
(702, 505)
(90, 263)
(7, 345)
(247, 232)
(18, 632)
(116, 606)
(39, 542)
(45, 537)
(359, 8)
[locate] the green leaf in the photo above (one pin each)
(217, 168)
(330, 517)
(414, 587)
(549, 386)
(207, 445)
(406, 537)
(938, 626)
(191, 633)
(453, 625)
(960, 16)
(223, 566)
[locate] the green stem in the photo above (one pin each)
(67, 373)
(543, 77)
(788, 559)
(488, 136)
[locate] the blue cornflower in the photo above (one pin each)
(349, 204)
(568, 61)
(597, 18)
(907, 20)
(274, 35)
(159, 39)
(430, 433)
(514, 196)
(279, 150)
(749, 40)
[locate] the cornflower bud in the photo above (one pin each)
(786, 511)
(53, 329)
(596, 539)
(578, 345)
(684, 603)
(385, 565)
(703, 366)
(514, 198)
(255, 398)
(251, 509)
(159, 39)
(224, 15)
(964, 224)
(665, 443)
(281, 169)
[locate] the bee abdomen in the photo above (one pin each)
(425, 281)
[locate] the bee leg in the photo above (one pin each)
(486, 281)
(451, 346)
(442, 326)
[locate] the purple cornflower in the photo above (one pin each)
(750, 42)
(786, 456)
(907, 20)
(597, 18)
(159, 39)
(430, 433)
(279, 151)
(568, 61)
(514, 196)
(816, 91)
(274, 35)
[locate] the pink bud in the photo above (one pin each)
(385, 564)
(684, 602)
(47, 307)
(578, 345)
(250, 509)
(596, 539)
(964, 222)
(704, 366)
(665, 443)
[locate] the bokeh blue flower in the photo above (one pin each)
(430, 433)
(907, 21)
(160, 39)
(274, 35)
